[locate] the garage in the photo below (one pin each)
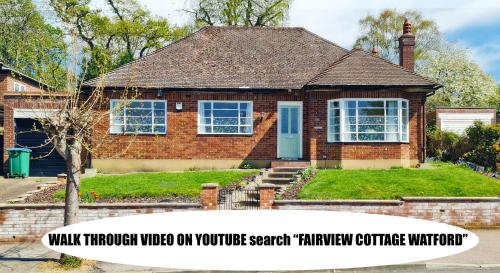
(45, 160)
(459, 119)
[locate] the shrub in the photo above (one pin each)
(483, 141)
(307, 172)
(445, 146)
(70, 262)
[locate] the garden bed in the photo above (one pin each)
(182, 187)
(444, 180)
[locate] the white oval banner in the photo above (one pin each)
(260, 240)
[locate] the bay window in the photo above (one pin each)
(138, 117)
(225, 117)
(368, 120)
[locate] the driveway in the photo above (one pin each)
(11, 188)
(33, 257)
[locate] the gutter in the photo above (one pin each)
(191, 90)
(371, 87)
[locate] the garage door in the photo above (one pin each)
(49, 164)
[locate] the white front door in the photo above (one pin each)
(290, 129)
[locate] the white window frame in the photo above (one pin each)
(125, 118)
(22, 87)
(342, 108)
(200, 132)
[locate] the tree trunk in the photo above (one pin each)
(72, 200)
(73, 164)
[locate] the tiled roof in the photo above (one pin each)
(257, 58)
(360, 68)
(6, 68)
(231, 57)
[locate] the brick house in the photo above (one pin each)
(21, 97)
(225, 95)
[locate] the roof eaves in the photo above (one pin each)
(7, 68)
(207, 89)
(430, 88)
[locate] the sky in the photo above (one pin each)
(473, 24)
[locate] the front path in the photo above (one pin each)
(11, 188)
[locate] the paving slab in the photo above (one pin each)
(486, 252)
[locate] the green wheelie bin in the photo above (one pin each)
(19, 162)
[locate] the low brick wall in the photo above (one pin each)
(29, 222)
(480, 212)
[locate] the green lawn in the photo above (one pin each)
(168, 185)
(445, 180)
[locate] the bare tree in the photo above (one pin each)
(68, 118)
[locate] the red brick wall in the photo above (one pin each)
(7, 85)
(320, 149)
(183, 142)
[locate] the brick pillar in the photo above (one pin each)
(209, 194)
(8, 132)
(267, 193)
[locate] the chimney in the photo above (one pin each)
(375, 51)
(407, 47)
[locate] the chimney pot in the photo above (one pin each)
(407, 27)
(375, 51)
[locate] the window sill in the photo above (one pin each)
(231, 135)
(361, 142)
(138, 134)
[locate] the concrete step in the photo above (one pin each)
(277, 181)
(287, 169)
(290, 163)
(281, 174)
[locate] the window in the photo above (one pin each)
(368, 120)
(225, 117)
(19, 87)
(138, 117)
